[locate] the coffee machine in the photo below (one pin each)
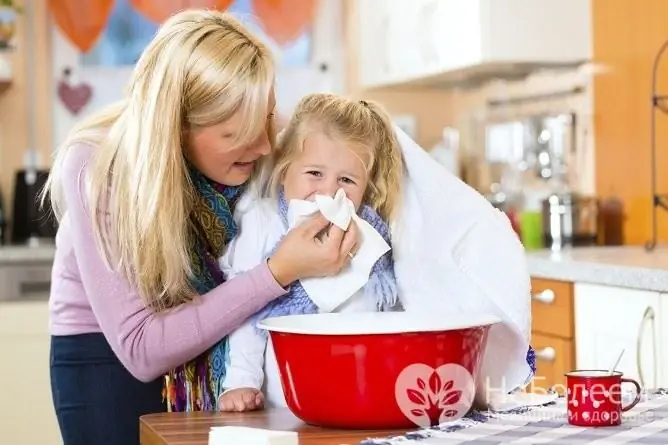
(32, 225)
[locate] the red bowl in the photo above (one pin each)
(378, 370)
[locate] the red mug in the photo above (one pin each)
(594, 397)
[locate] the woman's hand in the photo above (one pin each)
(304, 253)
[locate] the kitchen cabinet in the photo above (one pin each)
(609, 318)
(441, 41)
(26, 411)
(552, 333)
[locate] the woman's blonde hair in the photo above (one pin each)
(365, 126)
(201, 68)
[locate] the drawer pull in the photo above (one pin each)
(546, 354)
(546, 296)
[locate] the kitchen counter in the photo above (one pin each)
(24, 254)
(623, 266)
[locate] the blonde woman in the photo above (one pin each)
(145, 192)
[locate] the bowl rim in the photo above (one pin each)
(428, 323)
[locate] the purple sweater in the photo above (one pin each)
(88, 297)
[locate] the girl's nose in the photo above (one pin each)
(329, 187)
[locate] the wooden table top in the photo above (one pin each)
(193, 428)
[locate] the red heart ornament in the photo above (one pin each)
(74, 97)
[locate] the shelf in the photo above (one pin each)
(659, 103)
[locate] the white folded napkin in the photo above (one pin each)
(328, 293)
(226, 435)
(508, 402)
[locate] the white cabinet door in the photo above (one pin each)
(26, 408)
(663, 341)
(608, 319)
(373, 31)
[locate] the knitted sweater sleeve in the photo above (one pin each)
(149, 343)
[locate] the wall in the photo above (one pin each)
(53, 52)
(627, 35)
(15, 109)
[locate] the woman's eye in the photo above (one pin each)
(347, 181)
(314, 173)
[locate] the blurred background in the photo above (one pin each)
(544, 106)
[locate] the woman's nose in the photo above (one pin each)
(262, 146)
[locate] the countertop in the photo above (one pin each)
(624, 266)
(24, 254)
(193, 428)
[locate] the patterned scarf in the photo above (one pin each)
(194, 386)
(381, 287)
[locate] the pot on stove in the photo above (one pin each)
(569, 220)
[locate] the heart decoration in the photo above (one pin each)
(429, 396)
(74, 97)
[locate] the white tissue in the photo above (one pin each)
(328, 293)
(224, 435)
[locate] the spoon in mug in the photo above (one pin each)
(619, 359)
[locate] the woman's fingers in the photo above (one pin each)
(349, 242)
(314, 225)
(342, 244)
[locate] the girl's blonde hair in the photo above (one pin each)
(365, 126)
(201, 68)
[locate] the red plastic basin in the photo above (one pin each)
(378, 370)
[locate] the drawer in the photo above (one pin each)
(554, 357)
(552, 307)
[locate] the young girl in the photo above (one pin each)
(331, 143)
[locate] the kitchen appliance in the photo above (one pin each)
(537, 147)
(32, 224)
(369, 370)
(569, 220)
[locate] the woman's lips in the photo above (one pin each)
(245, 165)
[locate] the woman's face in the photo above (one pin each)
(212, 151)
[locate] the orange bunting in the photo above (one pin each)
(284, 20)
(160, 10)
(82, 21)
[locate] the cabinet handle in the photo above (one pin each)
(547, 296)
(649, 315)
(546, 354)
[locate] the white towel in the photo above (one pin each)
(453, 251)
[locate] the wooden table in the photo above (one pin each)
(193, 428)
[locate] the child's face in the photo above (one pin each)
(324, 166)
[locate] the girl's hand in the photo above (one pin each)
(241, 399)
(305, 253)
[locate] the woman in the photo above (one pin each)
(144, 192)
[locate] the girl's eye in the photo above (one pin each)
(348, 181)
(314, 173)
